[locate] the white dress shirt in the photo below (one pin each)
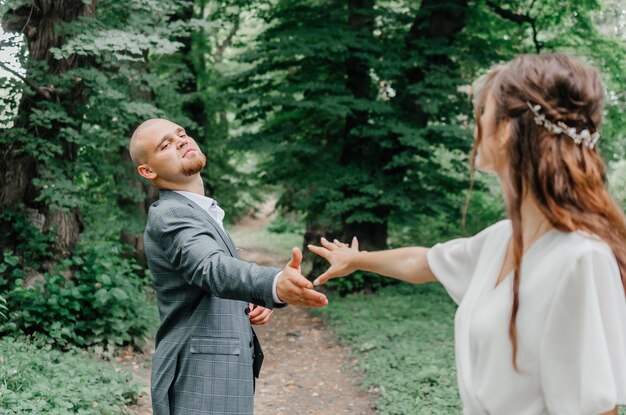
(217, 213)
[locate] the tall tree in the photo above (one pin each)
(36, 175)
(82, 93)
(347, 154)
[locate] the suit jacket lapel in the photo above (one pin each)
(168, 194)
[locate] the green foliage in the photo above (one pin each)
(37, 379)
(295, 90)
(103, 302)
(617, 182)
(403, 338)
(392, 151)
(96, 297)
(33, 245)
(282, 224)
(359, 281)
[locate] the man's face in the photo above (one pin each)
(169, 152)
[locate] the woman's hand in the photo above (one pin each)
(259, 315)
(340, 256)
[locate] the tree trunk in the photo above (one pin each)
(436, 21)
(39, 22)
(371, 235)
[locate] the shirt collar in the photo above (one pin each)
(206, 203)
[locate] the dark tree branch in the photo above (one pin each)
(508, 14)
(44, 91)
(520, 19)
(220, 47)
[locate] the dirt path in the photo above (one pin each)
(305, 370)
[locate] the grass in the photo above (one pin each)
(36, 379)
(404, 339)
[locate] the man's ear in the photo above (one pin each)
(146, 172)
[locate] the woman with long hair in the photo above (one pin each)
(541, 321)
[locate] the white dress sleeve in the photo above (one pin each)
(454, 262)
(583, 349)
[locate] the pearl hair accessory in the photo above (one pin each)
(584, 137)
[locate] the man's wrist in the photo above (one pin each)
(274, 294)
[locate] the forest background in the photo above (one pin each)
(353, 114)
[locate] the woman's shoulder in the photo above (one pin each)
(588, 258)
(581, 244)
(500, 229)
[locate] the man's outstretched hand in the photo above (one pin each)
(293, 288)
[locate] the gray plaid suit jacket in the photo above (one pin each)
(205, 346)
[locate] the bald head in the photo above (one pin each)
(136, 147)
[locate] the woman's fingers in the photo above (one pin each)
(355, 243)
(323, 252)
(328, 245)
(321, 280)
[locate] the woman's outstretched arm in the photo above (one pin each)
(406, 264)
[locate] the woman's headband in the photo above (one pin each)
(584, 137)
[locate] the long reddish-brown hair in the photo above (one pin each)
(567, 180)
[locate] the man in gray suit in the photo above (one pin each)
(206, 354)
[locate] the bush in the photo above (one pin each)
(37, 379)
(103, 301)
(284, 225)
(359, 281)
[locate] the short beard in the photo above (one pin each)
(195, 164)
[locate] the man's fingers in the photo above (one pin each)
(323, 252)
(261, 320)
(296, 258)
(255, 312)
(262, 317)
(312, 298)
(266, 318)
(302, 282)
(355, 243)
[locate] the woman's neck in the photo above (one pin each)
(534, 222)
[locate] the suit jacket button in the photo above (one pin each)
(250, 344)
(247, 310)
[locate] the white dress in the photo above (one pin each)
(571, 324)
